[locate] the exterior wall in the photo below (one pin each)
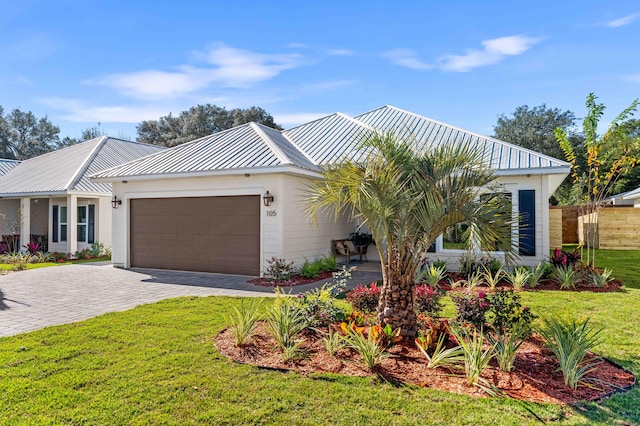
(555, 227)
(618, 228)
(9, 219)
(303, 239)
(513, 184)
(39, 216)
(272, 219)
(102, 223)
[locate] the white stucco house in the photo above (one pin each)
(51, 200)
(204, 206)
(631, 197)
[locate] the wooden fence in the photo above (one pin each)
(563, 225)
(617, 228)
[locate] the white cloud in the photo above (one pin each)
(78, 111)
(634, 78)
(623, 21)
(229, 68)
(339, 52)
(406, 58)
(494, 51)
(289, 120)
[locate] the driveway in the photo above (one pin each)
(38, 298)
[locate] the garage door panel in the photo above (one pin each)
(209, 234)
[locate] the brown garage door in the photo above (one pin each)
(206, 234)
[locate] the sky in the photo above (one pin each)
(461, 62)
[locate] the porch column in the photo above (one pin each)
(72, 223)
(24, 216)
(50, 222)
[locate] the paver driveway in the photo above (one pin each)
(38, 298)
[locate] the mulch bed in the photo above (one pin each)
(615, 285)
(292, 282)
(534, 377)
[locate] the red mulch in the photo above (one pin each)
(292, 282)
(534, 377)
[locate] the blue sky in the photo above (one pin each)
(461, 62)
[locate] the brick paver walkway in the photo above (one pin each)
(38, 298)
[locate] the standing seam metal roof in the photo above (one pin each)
(68, 169)
(7, 165)
(327, 140)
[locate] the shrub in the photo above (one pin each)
(18, 260)
(493, 278)
(538, 273)
(278, 270)
(506, 345)
(474, 280)
(432, 329)
(428, 300)
(82, 254)
(318, 306)
(566, 276)
(431, 275)
(476, 358)
(368, 347)
(60, 257)
(341, 278)
(471, 308)
(328, 264)
(32, 248)
(285, 322)
(310, 269)
(333, 342)
(519, 277)
(564, 258)
(96, 249)
(41, 257)
(364, 298)
(242, 322)
(571, 340)
(506, 313)
(600, 279)
(440, 356)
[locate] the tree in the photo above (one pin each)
(533, 128)
(87, 134)
(598, 178)
(23, 136)
(407, 199)
(197, 122)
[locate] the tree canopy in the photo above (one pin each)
(197, 122)
(533, 128)
(23, 135)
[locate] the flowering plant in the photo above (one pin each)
(364, 298)
(471, 308)
(341, 278)
(427, 300)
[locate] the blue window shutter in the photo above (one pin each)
(56, 223)
(527, 231)
(91, 223)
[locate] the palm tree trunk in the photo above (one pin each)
(396, 306)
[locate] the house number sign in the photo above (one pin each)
(271, 213)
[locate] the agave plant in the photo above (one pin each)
(474, 280)
(571, 340)
(476, 357)
(369, 348)
(432, 275)
(285, 322)
(566, 276)
(242, 322)
(600, 279)
(536, 275)
(493, 279)
(440, 356)
(519, 277)
(333, 342)
(506, 345)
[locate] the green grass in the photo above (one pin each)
(156, 364)
(9, 267)
(624, 263)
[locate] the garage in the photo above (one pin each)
(202, 234)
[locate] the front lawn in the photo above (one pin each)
(156, 364)
(9, 266)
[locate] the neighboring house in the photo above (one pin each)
(201, 206)
(50, 199)
(618, 200)
(632, 196)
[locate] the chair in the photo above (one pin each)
(346, 249)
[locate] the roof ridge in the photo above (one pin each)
(501, 142)
(75, 178)
(270, 143)
(292, 142)
(355, 120)
(312, 121)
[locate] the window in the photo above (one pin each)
(502, 199)
(82, 223)
(86, 223)
(455, 238)
(59, 223)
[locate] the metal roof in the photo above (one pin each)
(68, 169)
(7, 165)
(631, 195)
(499, 155)
(247, 146)
(327, 140)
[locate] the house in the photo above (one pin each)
(230, 201)
(49, 199)
(619, 199)
(632, 196)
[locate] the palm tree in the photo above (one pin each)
(407, 199)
